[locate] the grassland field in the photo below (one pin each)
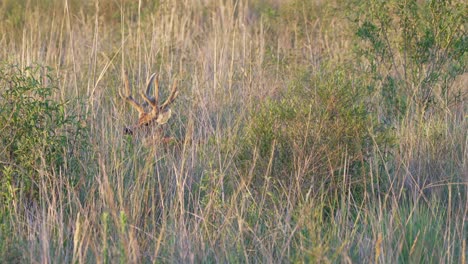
(304, 131)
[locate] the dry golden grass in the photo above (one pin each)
(211, 195)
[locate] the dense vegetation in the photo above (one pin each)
(305, 131)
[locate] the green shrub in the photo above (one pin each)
(413, 53)
(37, 136)
(319, 129)
(414, 50)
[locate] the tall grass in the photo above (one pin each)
(297, 136)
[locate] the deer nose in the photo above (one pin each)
(128, 131)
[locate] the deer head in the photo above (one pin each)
(157, 113)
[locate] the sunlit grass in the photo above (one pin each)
(289, 145)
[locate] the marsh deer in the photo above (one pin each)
(157, 113)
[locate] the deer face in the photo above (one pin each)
(157, 113)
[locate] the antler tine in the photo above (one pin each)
(128, 96)
(146, 96)
(156, 92)
(172, 96)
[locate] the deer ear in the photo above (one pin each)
(164, 117)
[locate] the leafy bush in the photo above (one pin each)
(36, 133)
(414, 51)
(319, 129)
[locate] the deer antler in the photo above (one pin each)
(128, 96)
(151, 101)
(160, 114)
(172, 96)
